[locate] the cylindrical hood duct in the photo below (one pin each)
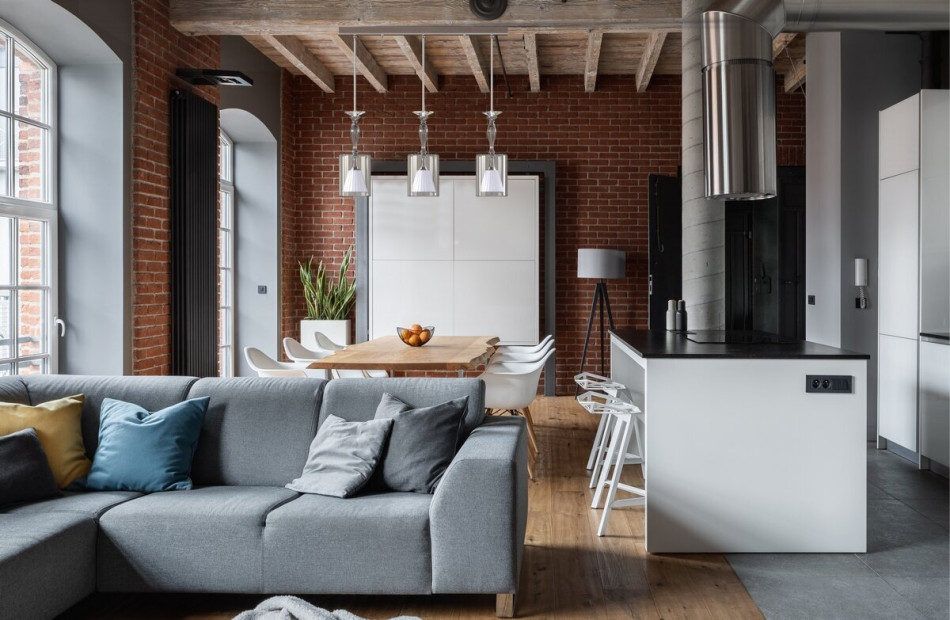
(738, 108)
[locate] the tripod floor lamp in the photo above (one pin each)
(600, 265)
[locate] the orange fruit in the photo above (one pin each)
(416, 328)
(424, 335)
(404, 334)
(414, 340)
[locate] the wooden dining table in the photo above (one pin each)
(459, 353)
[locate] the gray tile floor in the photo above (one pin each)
(904, 574)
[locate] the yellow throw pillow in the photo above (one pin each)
(59, 428)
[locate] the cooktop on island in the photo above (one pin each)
(736, 337)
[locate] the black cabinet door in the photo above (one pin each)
(666, 246)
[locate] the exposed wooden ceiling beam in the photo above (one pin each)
(412, 48)
(780, 42)
(365, 63)
(531, 59)
(476, 60)
(296, 53)
(595, 39)
(651, 54)
(255, 17)
(795, 76)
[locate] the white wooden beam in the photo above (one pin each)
(412, 48)
(296, 53)
(795, 76)
(255, 17)
(365, 63)
(780, 42)
(531, 59)
(651, 54)
(595, 39)
(476, 60)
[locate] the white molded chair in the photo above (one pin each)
(300, 353)
(511, 387)
(266, 366)
(511, 354)
(526, 348)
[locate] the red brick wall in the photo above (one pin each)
(158, 50)
(789, 125)
(605, 144)
(290, 282)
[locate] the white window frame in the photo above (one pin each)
(44, 211)
(226, 357)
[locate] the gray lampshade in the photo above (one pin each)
(601, 264)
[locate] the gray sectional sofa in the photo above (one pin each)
(240, 530)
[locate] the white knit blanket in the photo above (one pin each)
(293, 608)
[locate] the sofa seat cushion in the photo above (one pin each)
(90, 504)
(369, 544)
(203, 540)
(47, 563)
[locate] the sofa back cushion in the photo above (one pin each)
(257, 431)
(152, 393)
(356, 400)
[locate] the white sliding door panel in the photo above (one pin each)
(898, 256)
(407, 292)
(497, 228)
(498, 298)
(411, 228)
(897, 390)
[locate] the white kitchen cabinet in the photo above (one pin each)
(898, 251)
(934, 398)
(899, 138)
(464, 264)
(935, 212)
(897, 392)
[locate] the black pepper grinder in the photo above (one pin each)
(680, 318)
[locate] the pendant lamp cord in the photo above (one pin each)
(354, 73)
(491, 70)
(421, 80)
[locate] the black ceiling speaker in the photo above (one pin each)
(214, 77)
(488, 9)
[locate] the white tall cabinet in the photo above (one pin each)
(913, 266)
(467, 265)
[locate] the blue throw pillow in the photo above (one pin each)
(146, 451)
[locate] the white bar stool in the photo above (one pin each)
(591, 383)
(625, 427)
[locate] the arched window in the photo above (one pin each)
(226, 260)
(27, 206)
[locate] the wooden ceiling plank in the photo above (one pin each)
(795, 77)
(241, 17)
(595, 39)
(651, 54)
(296, 53)
(780, 42)
(476, 60)
(365, 63)
(531, 54)
(412, 48)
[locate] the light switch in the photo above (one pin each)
(261, 289)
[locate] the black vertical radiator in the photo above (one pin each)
(193, 159)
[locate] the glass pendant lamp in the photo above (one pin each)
(423, 167)
(355, 169)
(491, 169)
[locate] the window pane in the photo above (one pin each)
(5, 370)
(31, 339)
(33, 367)
(6, 324)
(30, 164)
(29, 80)
(4, 95)
(30, 259)
(6, 250)
(4, 164)
(226, 210)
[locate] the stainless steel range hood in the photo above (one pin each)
(739, 81)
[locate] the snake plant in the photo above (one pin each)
(328, 299)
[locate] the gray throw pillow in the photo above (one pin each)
(342, 457)
(422, 444)
(25, 475)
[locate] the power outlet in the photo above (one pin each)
(829, 384)
(261, 289)
(811, 300)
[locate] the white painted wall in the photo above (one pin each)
(823, 189)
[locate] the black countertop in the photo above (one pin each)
(936, 335)
(762, 346)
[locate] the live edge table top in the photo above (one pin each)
(390, 353)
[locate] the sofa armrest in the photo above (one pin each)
(479, 512)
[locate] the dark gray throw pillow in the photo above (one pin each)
(25, 475)
(422, 443)
(342, 457)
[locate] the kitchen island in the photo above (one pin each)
(753, 444)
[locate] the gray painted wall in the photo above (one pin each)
(851, 77)
(263, 99)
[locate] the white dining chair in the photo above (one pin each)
(297, 352)
(516, 355)
(526, 348)
(511, 388)
(266, 366)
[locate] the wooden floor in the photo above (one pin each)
(568, 571)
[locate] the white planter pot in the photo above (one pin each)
(337, 331)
